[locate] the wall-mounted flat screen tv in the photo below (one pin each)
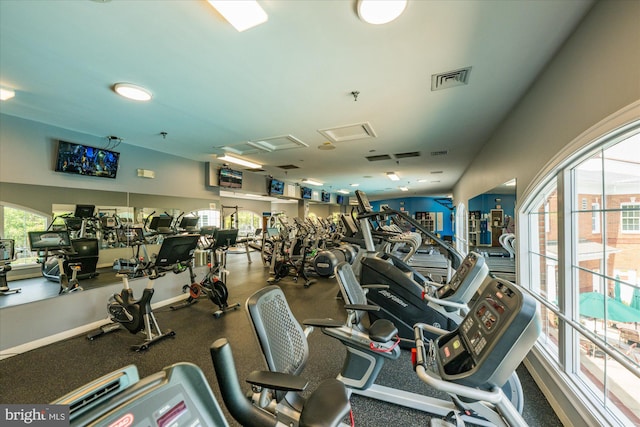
(305, 192)
(228, 178)
(276, 188)
(326, 197)
(340, 199)
(81, 159)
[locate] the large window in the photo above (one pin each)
(630, 217)
(583, 261)
(16, 223)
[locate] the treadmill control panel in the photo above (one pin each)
(177, 396)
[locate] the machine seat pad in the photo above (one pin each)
(277, 380)
(382, 330)
(327, 406)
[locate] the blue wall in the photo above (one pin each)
(411, 205)
(485, 202)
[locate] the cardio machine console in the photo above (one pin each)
(465, 282)
(7, 251)
(500, 329)
(179, 395)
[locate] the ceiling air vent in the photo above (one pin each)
(287, 167)
(378, 157)
(349, 132)
(278, 143)
(440, 153)
(450, 79)
(407, 155)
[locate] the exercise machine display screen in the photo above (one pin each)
(84, 211)
(175, 397)
(160, 222)
(7, 250)
(188, 222)
(130, 235)
(225, 237)
(177, 249)
(363, 202)
(467, 279)
(491, 341)
(41, 240)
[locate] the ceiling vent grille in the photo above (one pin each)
(450, 79)
(276, 143)
(349, 132)
(287, 167)
(440, 153)
(378, 157)
(407, 155)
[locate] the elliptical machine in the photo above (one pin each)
(213, 285)
(7, 254)
(410, 297)
(136, 315)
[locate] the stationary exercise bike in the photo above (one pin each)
(136, 315)
(57, 245)
(213, 285)
(7, 254)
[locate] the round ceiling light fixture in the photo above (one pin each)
(131, 91)
(380, 11)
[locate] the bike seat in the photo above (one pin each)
(382, 330)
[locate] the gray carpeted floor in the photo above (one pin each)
(44, 374)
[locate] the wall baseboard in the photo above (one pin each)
(80, 330)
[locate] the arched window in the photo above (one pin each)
(581, 233)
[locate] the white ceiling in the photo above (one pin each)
(213, 86)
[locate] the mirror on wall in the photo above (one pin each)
(492, 214)
(492, 228)
(97, 215)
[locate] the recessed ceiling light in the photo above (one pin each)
(380, 11)
(392, 176)
(131, 91)
(354, 185)
(422, 180)
(343, 191)
(311, 181)
(242, 14)
(403, 188)
(6, 94)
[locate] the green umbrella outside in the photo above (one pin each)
(635, 299)
(592, 305)
(616, 289)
